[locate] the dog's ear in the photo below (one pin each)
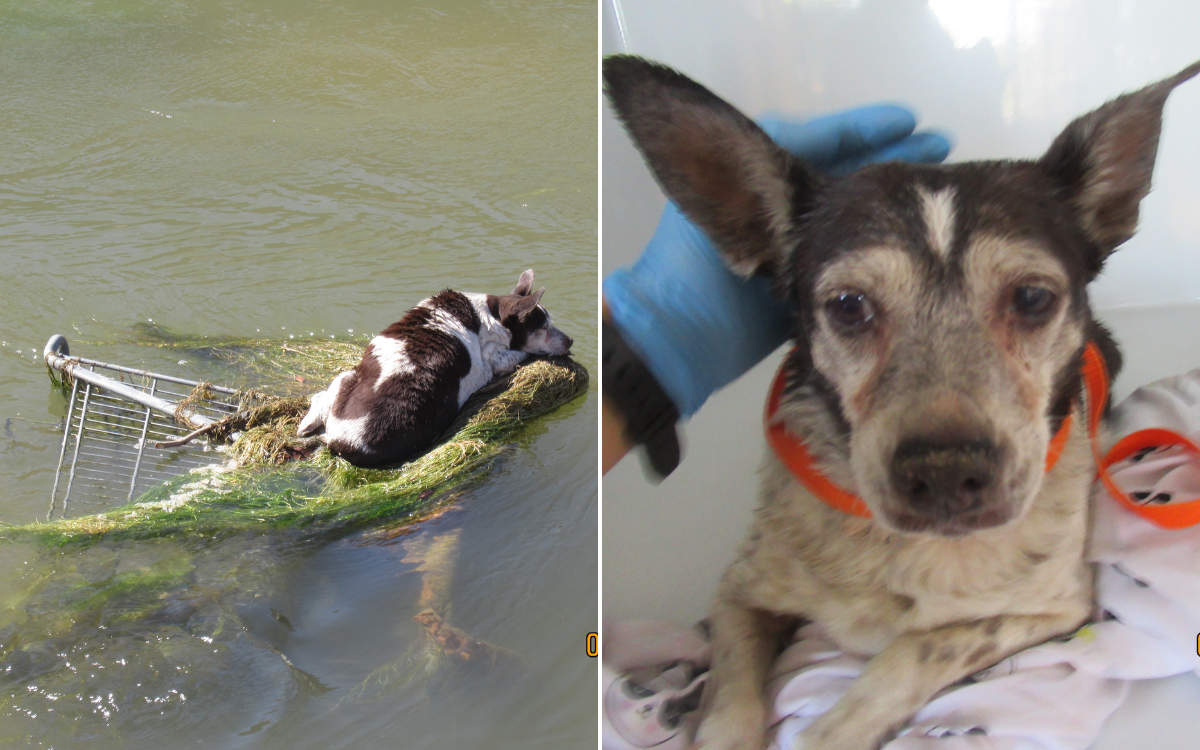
(725, 173)
(526, 305)
(524, 284)
(1103, 160)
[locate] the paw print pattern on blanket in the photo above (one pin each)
(1160, 475)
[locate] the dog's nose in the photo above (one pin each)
(570, 341)
(944, 479)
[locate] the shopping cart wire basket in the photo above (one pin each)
(115, 415)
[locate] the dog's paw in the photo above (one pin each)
(844, 735)
(318, 411)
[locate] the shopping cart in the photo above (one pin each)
(115, 417)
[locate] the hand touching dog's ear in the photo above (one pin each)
(693, 323)
(1104, 160)
(721, 168)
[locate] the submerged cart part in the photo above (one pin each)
(443, 653)
(457, 645)
(434, 552)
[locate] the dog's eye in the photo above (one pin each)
(850, 309)
(1033, 301)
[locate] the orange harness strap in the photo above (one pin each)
(792, 452)
(1178, 516)
(795, 456)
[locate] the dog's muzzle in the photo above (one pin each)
(948, 486)
(944, 481)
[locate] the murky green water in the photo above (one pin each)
(247, 169)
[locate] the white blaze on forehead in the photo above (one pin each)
(938, 212)
(392, 358)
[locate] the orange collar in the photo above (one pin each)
(792, 452)
(796, 458)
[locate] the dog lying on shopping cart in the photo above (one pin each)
(418, 372)
(941, 329)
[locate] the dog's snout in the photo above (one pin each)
(945, 479)
(560, 342)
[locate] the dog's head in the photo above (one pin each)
(528, 322)
(940, 311)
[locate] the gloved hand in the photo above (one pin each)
(696, 325)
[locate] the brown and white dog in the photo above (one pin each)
(417, 373)
(941, 313)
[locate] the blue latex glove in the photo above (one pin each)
(696, 325)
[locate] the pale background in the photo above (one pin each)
(1005, 76)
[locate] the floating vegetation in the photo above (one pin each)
(157, 628)
(321, 494)
(283, 367)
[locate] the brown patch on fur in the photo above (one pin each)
(991, 625)
(1028, 395)
(984, 651)
(926, 652)
(864, 399)
(947, 655)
